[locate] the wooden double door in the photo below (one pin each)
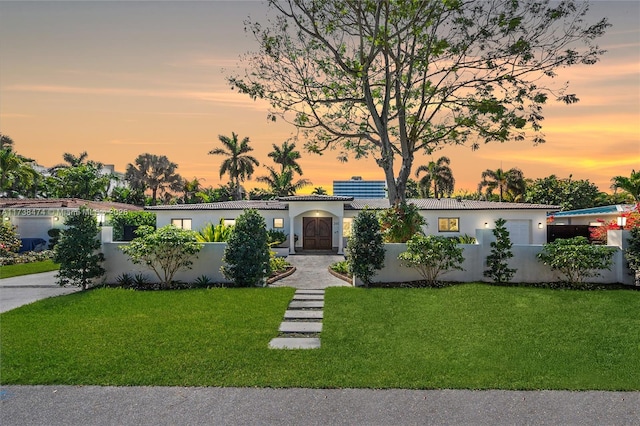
(317, 233)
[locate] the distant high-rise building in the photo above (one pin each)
(358, 188)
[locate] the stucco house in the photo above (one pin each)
(35, 217)
(323, 222)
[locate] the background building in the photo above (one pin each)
(358, 188)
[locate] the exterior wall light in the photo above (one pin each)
(539, 225)
(486, 225)
(622, 221)
(56, 218)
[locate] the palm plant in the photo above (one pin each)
(318, 190)
(5, 141)
(238, 165)
(630, 185)
(17, 177)
(211, 233)
(286, 156)
(154, 172)
(282, 184)
(512, 180)
(440, 175)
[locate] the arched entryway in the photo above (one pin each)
(317, 233)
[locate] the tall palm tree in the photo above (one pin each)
(440, 175)
(238, 165)
(154, 172)
(281, 184)
(71, 160)
(512, 180)
(630, 184)
(286, 156)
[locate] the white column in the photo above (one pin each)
(340, 236)
(292, 234)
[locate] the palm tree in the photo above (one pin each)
(512, 180)
(318, 190)
(17, 177)
(440, 175)
(154, 172)
(630, 184)
(238, 165)
(286, 156)
(5, 141)
(71, 161)
(281, 184)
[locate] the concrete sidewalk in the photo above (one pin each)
(22, 290)
(93, 405)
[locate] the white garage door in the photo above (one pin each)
(519, 231)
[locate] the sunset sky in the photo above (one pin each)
(118, 79)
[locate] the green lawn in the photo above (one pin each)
(473, 336)
(8, 271)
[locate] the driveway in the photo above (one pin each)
(19, 291)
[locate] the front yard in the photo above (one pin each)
(472, 336)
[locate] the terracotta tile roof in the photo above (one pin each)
(61, 203)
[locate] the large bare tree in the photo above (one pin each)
(390, 78)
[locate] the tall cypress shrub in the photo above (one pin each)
(497, 261)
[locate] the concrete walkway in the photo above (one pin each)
(106, 405)
(19, 291)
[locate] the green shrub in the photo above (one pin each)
(576, 259)
(77, 250)
(203, 281)
(275, 237)
(27, 257)
(341, 267)
(165, 251)
(9, 241)
(247, 253)
(632, 253)
(211, 233)
(432, 256)
(278, 264)
(497, 261)
(118, 219)
(401, 222)
(365, 249)
(54, 237)
(466, 239)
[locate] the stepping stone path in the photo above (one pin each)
(302, 322)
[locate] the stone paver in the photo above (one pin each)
(301, 327)
(311, 272)
(302, 314)
(302, 304)
(295, 343)
(308, 297)
(303, 291)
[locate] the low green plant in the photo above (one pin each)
(401, 222)
(77, 250)
(165, 251)
(276, 237)
(576, 259)
(278, 264)
(26, 257)
(125, 280)
(211, 233)
(466, 239)
(432, 256)
(341, 267)
(497, 261)
(365, 249)
(203, 281)
(247, 254)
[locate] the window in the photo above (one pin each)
(278, 223)
(448, 224)
(229, 222)
(181, 223)
(346, 226)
